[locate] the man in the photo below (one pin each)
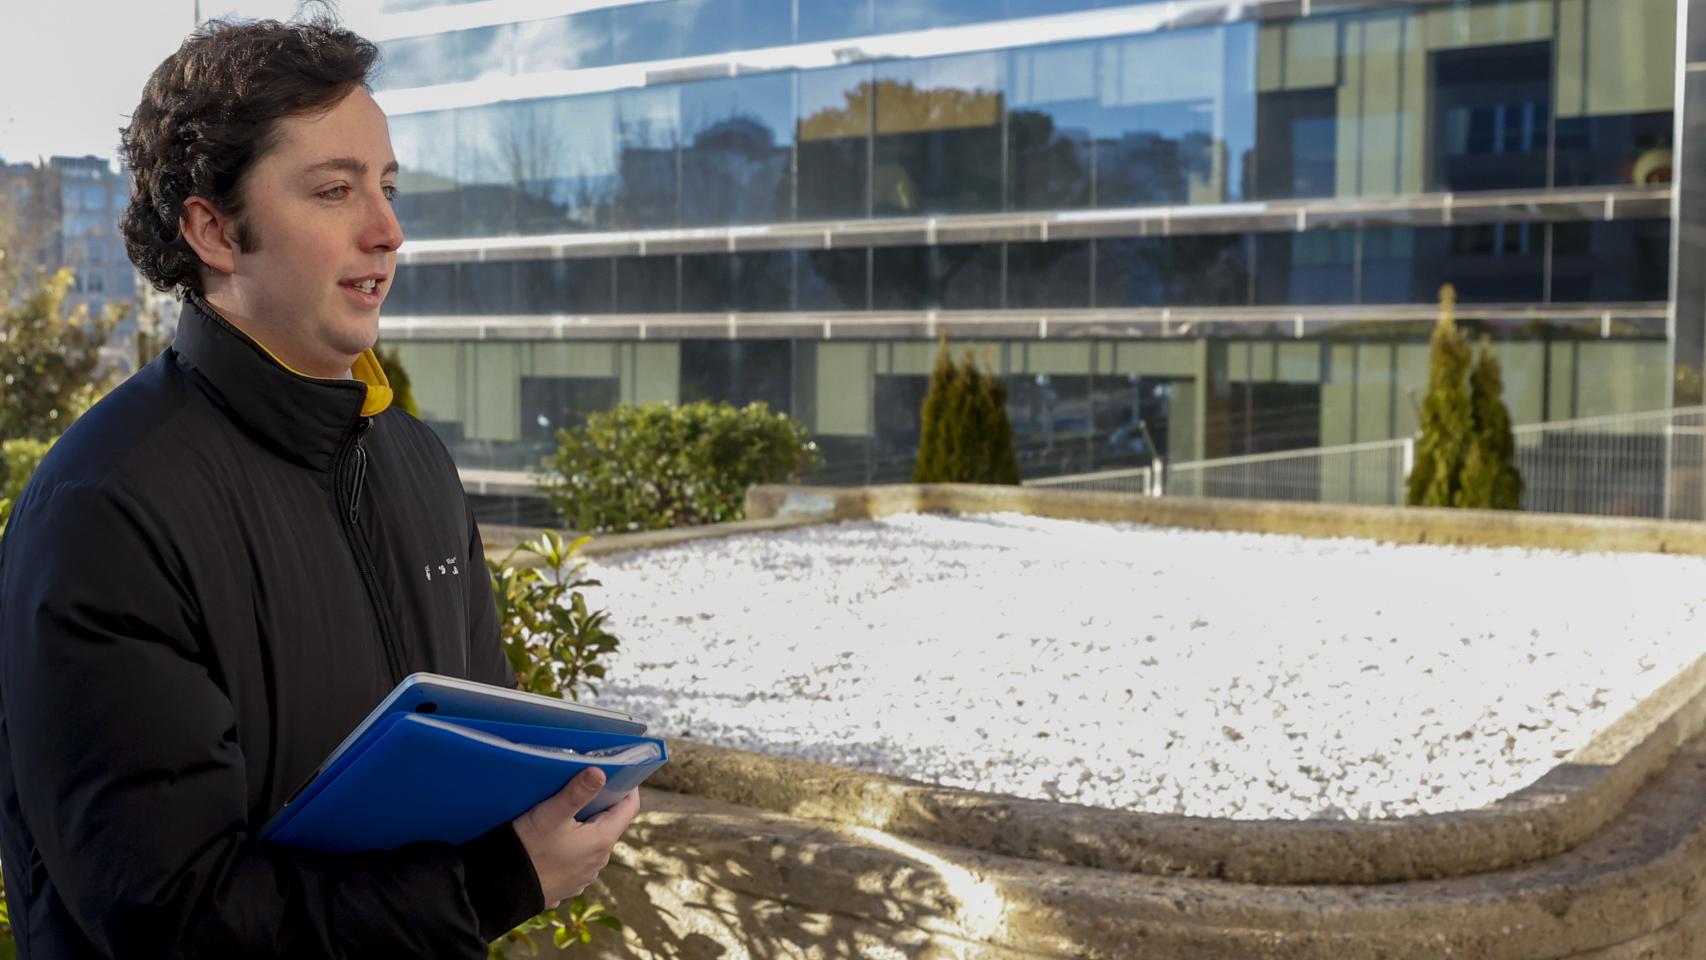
(217, 572)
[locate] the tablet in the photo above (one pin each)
(436, 694)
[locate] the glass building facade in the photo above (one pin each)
(1227, 220)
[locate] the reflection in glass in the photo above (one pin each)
(764, 282)
(485, 289)
(968, 276)
(564, 286)
(736, 156)
(738, 372)
(648, 131)
(564, 153)
(1048, 274)
(707, 284)
(1492, 106)
(1620, 261)
(938, 135)
(488, 141)
(646, 285)
(1052, 111)
(1317, 266)
(574, 42)
(833, 19)
(901, 279)
(425, 147)
(834, 138)
(833, 280)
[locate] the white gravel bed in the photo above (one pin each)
(1172, 671)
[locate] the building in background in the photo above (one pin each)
(66, 214)
(1228, 220)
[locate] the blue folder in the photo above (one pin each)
(411, 776)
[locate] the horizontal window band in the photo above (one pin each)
(1290, 216)
(1580, 321)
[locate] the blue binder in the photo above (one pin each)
(414, 776)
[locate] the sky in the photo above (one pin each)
(70, 96)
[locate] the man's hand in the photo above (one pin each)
(567, 854)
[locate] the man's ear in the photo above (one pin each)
(211, 234)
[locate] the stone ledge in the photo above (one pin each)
(694, 876)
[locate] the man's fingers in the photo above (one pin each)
(616, 819)
(576, 794)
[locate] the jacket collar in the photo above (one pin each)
(306, 419)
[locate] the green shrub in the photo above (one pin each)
(1437, 474)
(402, 388)
(18, 461)
(554, 643)
(964, 435)
(658, 466)
(1490, 477)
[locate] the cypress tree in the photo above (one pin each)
(1003, 461)
(933, 420)
(1447, 419)
(964, 433)
(1490, 477)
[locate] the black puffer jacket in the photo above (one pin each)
(214, 575)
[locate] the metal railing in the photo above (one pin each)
(1649, 464)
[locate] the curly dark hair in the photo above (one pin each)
(209, 112)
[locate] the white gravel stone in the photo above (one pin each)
(1172, 671)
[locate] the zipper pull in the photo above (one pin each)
(358, 468)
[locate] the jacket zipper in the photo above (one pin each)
(348, 474)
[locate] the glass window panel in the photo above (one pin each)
(648, 124)
(902, 278)
(1051, 111)
(649, 31)
(969, 276)
(834, 139)
(1042, 8)
(1130, 272)
(707, 283)
(738, 372)
(833, 280)
(764, 282)
(895, 17)
(1317, 266)
(1298, 141)
(1176, 117)
(1491, 109)
(484, 289)
(1208, 271)
(425, 147)
(835, 19)
(564, 43)
(1388, 258)
(565, 152)
(490, 187)
(938, 136)
(422, 290)
(646, 285)
(1617, 149)
(486, 52)
(1048, 274)
(737, 151)
(422, 61)
(564, 286)
(718, 26)
(1488, 263)
(1625, 261)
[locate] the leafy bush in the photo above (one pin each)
(657, 466)
(964, 433)
(18, 461)
(554, 643)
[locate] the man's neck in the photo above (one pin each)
(276, 346)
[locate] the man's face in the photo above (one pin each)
(322, 237)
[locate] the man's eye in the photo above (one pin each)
(338, 191)
(390, 191)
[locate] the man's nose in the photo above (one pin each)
(382, 232)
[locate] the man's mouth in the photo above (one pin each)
(365, 286)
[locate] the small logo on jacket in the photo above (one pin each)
(449, 568)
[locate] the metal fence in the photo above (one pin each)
(1640, 465)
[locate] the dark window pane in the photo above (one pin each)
(938, 136)
(707, 283)
(833, 280)
(1052, 108)
(645, 285)
(549, 404)
(484, 289)
(1492, 106)
(565, 152)
(1297, 143)
(901, 279)
(1622, 148)
(1318, 266)
(1131, 272)
(425, 146)
(834, 19)
(1048, 274)
(1389, 256)
(564, 286)
(1624, 261)
(738, 372)
(1487, 263)
(648, 129)
(764, 282)
(834, 140)
(574, 42)
(735, 163)
(1208, 271)
(422, 290)
(968, 276)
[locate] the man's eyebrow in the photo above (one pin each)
(348, 165)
